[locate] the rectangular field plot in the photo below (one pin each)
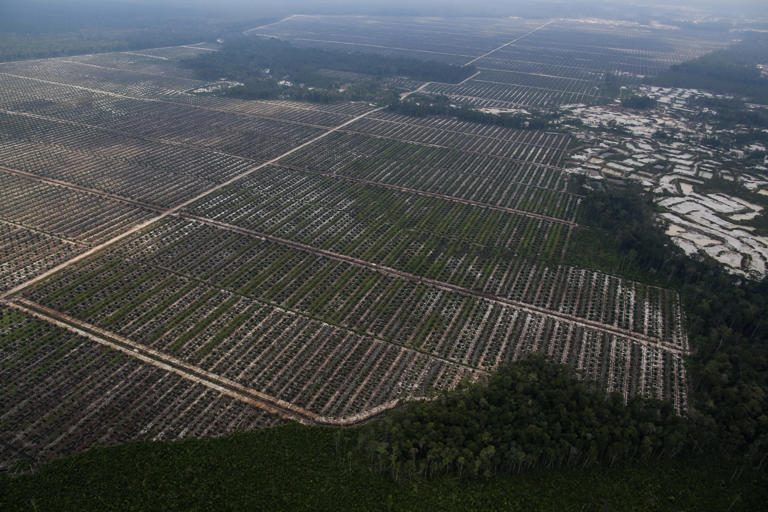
(474, 248)
(203, 294)
(80, 217)
(534, 146)
(42, 225)
(443, 163)
(538, 81)
(497, 95)
(113, 171)
(328, 370)
(25, 253)
(111, 80)
(540, 151)
(144, 170)
(377, 224)
(63, 393)
(148, 62)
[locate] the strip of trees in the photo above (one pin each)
(423, 106)
(732, 70)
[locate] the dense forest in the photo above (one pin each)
(732, 70)
(532, 413)
(295, 468)
(638, 102)
(271, 68)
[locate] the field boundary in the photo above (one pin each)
(510, 43)
(225, 386)
(170, 211)
(636, 337)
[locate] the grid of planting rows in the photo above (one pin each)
(474, 248)
(63, 393)
(537, 81)
(42, 225)
(242, 135)
(386, 226)
(132, 167)
(25, 253)
(532, 146)
(57, 79)
(79, 217)
(142, 62)
(81, 138)
(116, 81)
(494, 95)
(323, 368)
(104, 171)
(485, 179)
(441, 159)
(188, 288)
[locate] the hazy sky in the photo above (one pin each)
(29, 13)
(723, 6)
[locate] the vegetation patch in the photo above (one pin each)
(532, 413)
(271, 68)
(422, 106)
(732, 70)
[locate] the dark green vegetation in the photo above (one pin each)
(739, 124)
(531, 414)
(296, 468)
(732, 70)
(727, 324)
(24, 46)
(423, 106)
(610, 88)
(314, 74)
(638, 102)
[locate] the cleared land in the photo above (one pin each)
(318, 262)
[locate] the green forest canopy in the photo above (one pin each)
(732, 70)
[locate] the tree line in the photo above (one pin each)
(531, 413)
(726, 319)
(534, 413)
(438, 105)
(732, 70)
